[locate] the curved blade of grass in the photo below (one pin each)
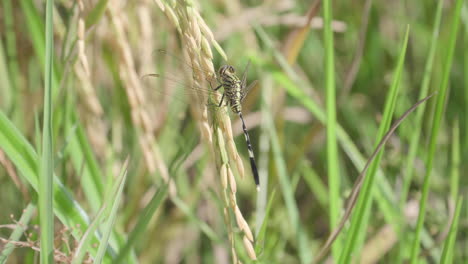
(46, 209)
(360, 218)
(384, 196)
(449, 244)
(19, 151)
(85, 163)
(112, 199)
(25, 159)
(357, 186)
(333, 167)
(28, 213)
(142, 223)
(439, 110)
(78, 148)
(294, 85)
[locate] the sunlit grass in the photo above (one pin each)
(141, 178)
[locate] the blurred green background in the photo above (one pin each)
(104, 110)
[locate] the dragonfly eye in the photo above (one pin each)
(221, 70)
(226, 69)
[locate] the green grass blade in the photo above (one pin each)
(384, 196)
(8, 68)
(364, 202)
(287, 191)
(415, 137)
(36, 29)
(25, 159)
(206, 229)
(439, 110)
(332, 149)
(449, 244)
(19, 151)
(455, 162)
(77, 148)
(317, 187)
(85, 242)
(261, 236)
(113, 199)
(86, 164)
(18, 232)
(46, 189)
(357, 185)
(142, 223)
(35, 26)
(465, 79)
(5, 82)
(416, 134)
(295, 86)
(96, 13)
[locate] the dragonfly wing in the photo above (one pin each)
(183, 65)
(244, 75)
(179, 88)
(247, 90)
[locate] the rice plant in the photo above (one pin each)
(356, 115)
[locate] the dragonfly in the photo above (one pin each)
(235, 90)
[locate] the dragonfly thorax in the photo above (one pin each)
(232, 87)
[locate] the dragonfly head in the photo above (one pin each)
(226, 70)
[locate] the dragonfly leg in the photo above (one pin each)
(217, 87)
(221, 102)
